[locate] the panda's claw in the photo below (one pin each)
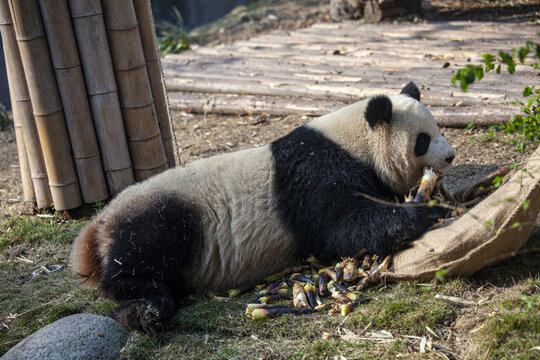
(141, 315)
(152, 320)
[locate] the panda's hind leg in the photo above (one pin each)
(151, 244)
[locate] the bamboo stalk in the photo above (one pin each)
(144, 138)
(26, 179)
(67, 67)
(46, 103)
(89, 27)
(22, 110)
(147, 32)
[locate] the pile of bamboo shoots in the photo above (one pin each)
(89, 106)
(307, 285)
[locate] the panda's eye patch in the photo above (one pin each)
(422, 144)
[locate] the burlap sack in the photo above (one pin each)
(489, 233)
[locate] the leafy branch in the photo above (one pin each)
(527, 124)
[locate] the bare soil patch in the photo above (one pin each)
(247, 21)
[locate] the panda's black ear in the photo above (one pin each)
(379, 108)
(411, 90)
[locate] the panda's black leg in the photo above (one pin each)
(151, 243)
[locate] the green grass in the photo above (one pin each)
(39, 300)
(206, 329)
(514, 329)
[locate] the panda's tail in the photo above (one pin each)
(86, 260)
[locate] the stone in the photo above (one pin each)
(80, 336)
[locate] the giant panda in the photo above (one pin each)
(232, 219)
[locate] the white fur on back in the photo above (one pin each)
(244, 237)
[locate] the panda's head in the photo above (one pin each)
(405, 138)
(394, 134)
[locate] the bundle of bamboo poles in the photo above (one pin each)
(90, 111)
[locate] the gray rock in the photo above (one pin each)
(81, 336)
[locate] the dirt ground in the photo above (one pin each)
(245, 22)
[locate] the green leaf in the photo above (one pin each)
(525, 204)
(515, 225)
(520, 146)
(432, 202)
(439, 275)
(498, 70)
(508, 60)
(497, 181)
(488, 58)
(479, 72)
(527, 91)
(522, 53)
(470, 125)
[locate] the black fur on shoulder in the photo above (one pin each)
(379, 108)
(411, 90)
(153, 241)
(319, 187)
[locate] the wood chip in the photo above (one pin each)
(454, 299)
(432, 332)
(423, 345)
(477, 329)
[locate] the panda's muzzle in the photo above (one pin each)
(440, 154)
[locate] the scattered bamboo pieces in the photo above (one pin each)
(259, 314)
(46, 270)
(308, 287)
(455, 299)
(423, 344)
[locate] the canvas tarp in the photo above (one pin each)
(492, 231)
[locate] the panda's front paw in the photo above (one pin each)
(429, 215)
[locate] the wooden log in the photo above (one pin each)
(46, 103)
(375, 11)
(345, 9)
(142, 129)
(230, 104)
(89, 26)
(147, 31)
(28, 146)
(438, 96)
(67, 67)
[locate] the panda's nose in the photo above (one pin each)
(450, 158)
